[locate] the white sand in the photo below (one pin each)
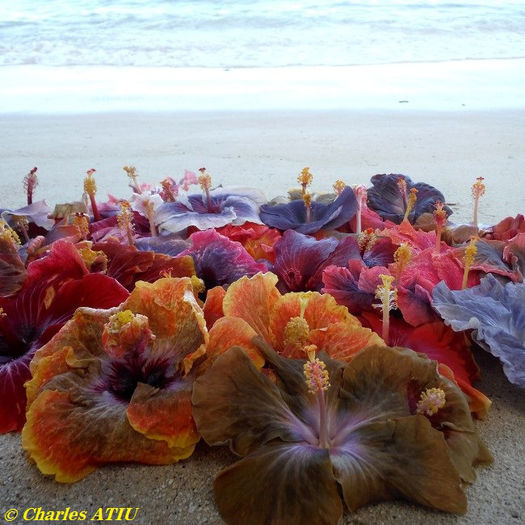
(267, 150)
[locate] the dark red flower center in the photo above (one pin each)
(123, 376)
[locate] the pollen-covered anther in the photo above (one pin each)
(296, 332)
(478, 188)
(117, 321)
(89, 256)
(305, 178)
(81, 222)
(470, 251)
(8, 235)
(412, 198)
(30, 183)
(440, 215)
(90, 185)
(386, 293)
(430, 401)
(402, 257)
(125, 221)
(2, 313)
(204, 180)
(470, 254)
(339, 186)
(316, 376)
(366, 239)
(198, 285)
(402, 185)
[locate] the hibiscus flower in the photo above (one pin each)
(56, 286)
(311, 433)
(289, 322)
(115, 385)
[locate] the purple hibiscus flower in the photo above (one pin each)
(389, 197)
(293, 215)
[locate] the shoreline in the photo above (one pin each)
(442, 85)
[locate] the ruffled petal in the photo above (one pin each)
(173, 314)
(164, 415)
(233, 331)
(253, 299)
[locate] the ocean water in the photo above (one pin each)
(102, 55)
(257, 33)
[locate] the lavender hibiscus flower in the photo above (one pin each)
(496, 315)
(214, 209)
(293, 215)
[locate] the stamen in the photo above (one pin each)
(305, 179)
(23, 224)
(470, 253)
(430, 401)
(30, 183)
(361, 196)
(296, 332)
(339, 186)
(388, 301)
(412, 198)
(9, 235)
(2, 313)
(150, 213)
(170, 189)
(90, 188)
(316, 376)
(89, 256)
(366, 240)
(307, 199)
(132, 174)
(317, 380)
(478, 190)
(440, 219)
(205, 184)
(125, 221)
(402, 257)
(81, 222)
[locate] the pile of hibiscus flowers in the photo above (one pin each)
(325, 337)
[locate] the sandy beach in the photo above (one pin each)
(447, 149)
(267, 149)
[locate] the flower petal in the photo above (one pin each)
(173, 314)
(404, 457)
(164, 414)
(128, 265)
(233, 331)
(253, 299)
(328, 216)
(219, 261)
(233, 401)
(281, 483)
(91, 431)
(495, 313)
